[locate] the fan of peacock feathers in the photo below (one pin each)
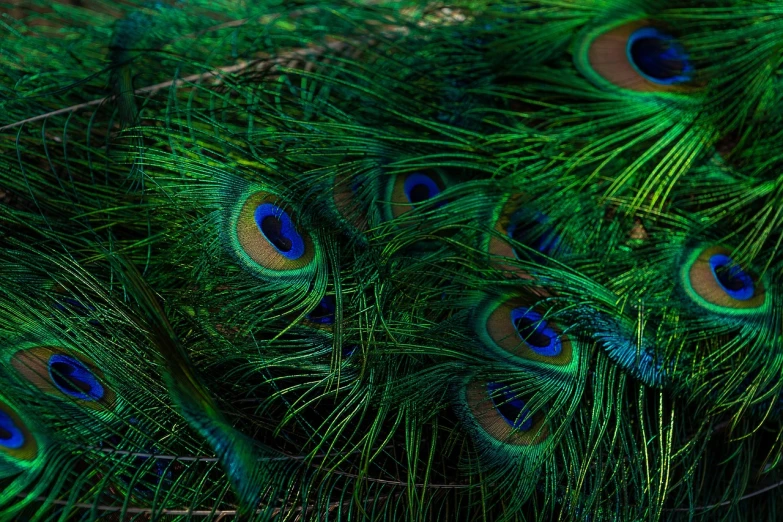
(391, 260)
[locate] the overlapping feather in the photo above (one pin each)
(312, 249)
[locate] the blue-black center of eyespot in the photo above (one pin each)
(277, 227)
(531, 230)
(67, 304)
(11, 436)
(658, 57)
(356, 184)
(734, 281)
(324, 312)
(420, 187)
(510, 407)
(73, 378)
(535, 331)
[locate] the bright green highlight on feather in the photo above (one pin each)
(236, 451)
(238, 373)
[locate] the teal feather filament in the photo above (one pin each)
(223, 352)
(630, 348)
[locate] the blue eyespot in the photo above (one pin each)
(734, 281)
(530, 229)
(69, 305)
(276, 226)
(11, 436)
(420, 187)
(73, 378)
(535, 332)
(658, 57)
(324, 312)
(509, 406)
(356, 184)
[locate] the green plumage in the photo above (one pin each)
(292, 260)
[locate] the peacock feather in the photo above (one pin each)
(334, 260)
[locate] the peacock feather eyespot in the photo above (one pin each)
(407, 191)
(637, 56)
(531, 229)
(535, 331)
(420, 187)
(516, 223)
(266, 239)
(658, 57)
(16, 439)
(712, 278)
(509, 406)
(61, 373)
(734, 281)
(73, 378)
(278, 230)
(11, 436)
(323, 313)
(517, 330)
(502, 415)
(70, 306)
(346, 203)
